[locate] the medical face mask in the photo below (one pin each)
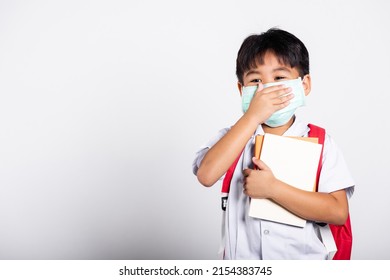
(281, 116)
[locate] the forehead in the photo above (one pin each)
(269, 63)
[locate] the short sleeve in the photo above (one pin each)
(335, 174)
(204, 149)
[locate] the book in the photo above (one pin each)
(292, 161)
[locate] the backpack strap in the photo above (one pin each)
(224, 198)
(342, 234)
(325, 231)
(226, 182)
(229, 175)
(319, 132)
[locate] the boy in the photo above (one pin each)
(273, 79)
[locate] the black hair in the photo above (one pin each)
(285, 46)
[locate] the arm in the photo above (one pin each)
(322, 207)
(219, 158)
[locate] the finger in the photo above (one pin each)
(246, 172)
(283, 100)
(244, 189)
(260, 164)
(278, 89)
(282, 95)
(279, 95)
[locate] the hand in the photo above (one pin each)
(260, 182)
(266, 101)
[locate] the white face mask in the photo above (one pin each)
(281, 116)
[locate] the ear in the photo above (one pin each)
(307, 84)
(239, 85)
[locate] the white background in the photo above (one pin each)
(103, 105)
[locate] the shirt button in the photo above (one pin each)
(266, 231)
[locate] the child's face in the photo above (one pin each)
(270, 71)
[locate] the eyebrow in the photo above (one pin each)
(274, 70)
(250, 72)
(282, 69)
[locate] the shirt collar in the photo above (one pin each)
(298, 128)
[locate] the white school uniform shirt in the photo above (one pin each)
(253, 238)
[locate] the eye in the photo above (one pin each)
(256, 81)
(279, 78)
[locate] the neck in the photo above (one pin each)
(280, 130)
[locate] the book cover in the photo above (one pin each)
(292, 161)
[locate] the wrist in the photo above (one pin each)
(254, 118)
(260, 116)
(275, 188)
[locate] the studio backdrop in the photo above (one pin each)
(103, 105)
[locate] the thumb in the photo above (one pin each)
(260, 164)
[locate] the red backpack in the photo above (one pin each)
(342, 234)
